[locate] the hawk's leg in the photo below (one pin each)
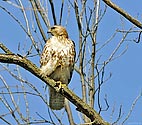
(59, 85)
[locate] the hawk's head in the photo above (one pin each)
(57, 30)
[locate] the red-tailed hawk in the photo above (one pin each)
(57, 62)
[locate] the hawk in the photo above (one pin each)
(57, 62)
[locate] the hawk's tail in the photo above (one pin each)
(56, 100)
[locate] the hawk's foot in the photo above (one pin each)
(59, 85)
(42, 74)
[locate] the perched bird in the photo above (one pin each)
(57, 62)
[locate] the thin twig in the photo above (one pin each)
(119, 116)
(132, 107)
(69, 112)
(25, 96)
(6, 121)
(139, 37)
(53, 12)
(24, 15)
(38, 20)
(5, 102)
(61, 12)
(42, 12)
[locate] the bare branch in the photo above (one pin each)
(24, 15)
(108, 41)
(61, 12)
(42, 12)
(139, 37)
(53, 11)
(25, 96)
(117, 47)
(69, 112)
(29, 66)
(77, 16)
(37, 20)
(119, 116)
(6, 50)
(6, 103)
(80, 56)
(6, 121)
(93, 53)
(125, 14)
(132, 107)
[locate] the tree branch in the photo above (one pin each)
(29, 66)
(69, 112)
(122, 12)
(53, 11)
(42, 12)
(6, 50)
(38, 20)
(61, 12)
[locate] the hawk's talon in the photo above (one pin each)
(42, 74)
(59, 85)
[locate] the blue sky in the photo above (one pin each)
(126, 81)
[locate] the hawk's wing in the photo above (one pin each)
(49, 60)
(57, 61)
